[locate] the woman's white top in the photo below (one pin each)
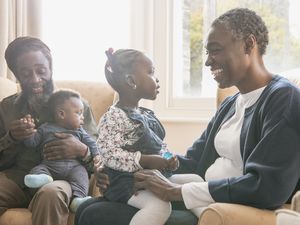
(227, 144)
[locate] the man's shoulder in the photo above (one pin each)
(9, 100)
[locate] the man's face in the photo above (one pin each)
(34, 74)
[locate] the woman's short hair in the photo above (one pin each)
(242, 22)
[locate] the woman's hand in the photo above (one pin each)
(66, 147)
(154, 181)
(102, 180)
(22, 128)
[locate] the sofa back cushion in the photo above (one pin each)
(99, 95)
(7, 87)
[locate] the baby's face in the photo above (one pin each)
(73, 113)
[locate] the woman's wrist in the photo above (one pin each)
(174, 193)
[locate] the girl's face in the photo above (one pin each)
(71, 114)
(147, 86)
(226, 57)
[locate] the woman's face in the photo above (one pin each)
(33, 72)
(147, 86)
(226, 57)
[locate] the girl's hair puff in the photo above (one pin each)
(119, 64)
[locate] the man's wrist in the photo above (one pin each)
(86, 155)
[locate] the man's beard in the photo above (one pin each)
(36, 102)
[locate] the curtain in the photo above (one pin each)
(17, 18)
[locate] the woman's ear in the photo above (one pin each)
(250, 42)
(130, 81)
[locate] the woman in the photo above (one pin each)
(251, 144)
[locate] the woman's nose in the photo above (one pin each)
(208, 60)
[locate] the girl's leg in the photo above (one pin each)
(153, 211)
(187, 178)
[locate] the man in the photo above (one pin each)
(31, 62)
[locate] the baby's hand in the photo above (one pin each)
(98, 162)
(173, 163)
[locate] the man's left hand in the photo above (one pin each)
(65, 147)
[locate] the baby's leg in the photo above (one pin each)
(153, 211)
(38, 177)
(79, 181)
(187, 178)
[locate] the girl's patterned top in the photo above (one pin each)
(117, 130)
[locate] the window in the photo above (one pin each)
(179, 32)
(171, 32)
(79, 31)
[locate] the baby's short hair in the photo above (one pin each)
(58, 98)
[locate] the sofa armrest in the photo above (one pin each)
(93, 189)
(296, 202)
(234, 214)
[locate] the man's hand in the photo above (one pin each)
(154, 181)
(102, 180)
(22, 128)
(66, 147)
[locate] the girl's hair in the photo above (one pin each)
(22, 45)
(242, 22)
(119, 64)
(58, 98)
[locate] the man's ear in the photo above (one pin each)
(130, 81)
(250, 43)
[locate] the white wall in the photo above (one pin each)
(181, 134)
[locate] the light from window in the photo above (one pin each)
(79, 31)
(191, 20)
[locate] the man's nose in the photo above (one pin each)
(35, 77)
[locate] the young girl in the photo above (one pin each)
(66, 112)
(131, 137)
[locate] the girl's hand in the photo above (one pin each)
(173, 163)
(153, 162)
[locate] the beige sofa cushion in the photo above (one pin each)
(7, 87)
(99, 95)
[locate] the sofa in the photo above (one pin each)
(100, 97)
